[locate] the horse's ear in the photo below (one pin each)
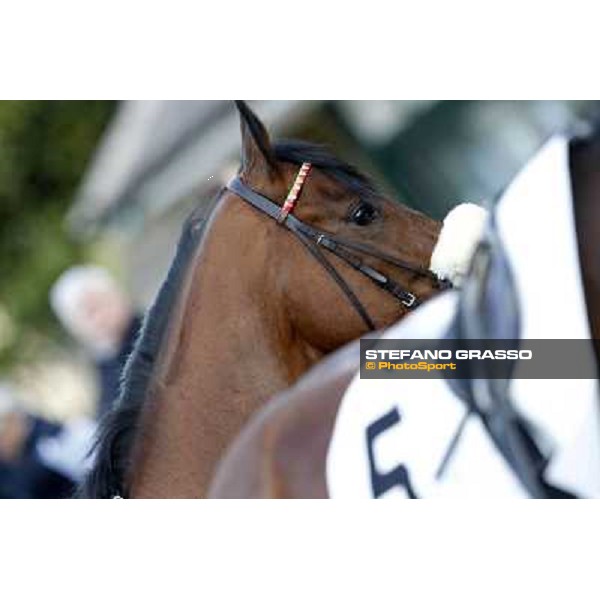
(257, 154)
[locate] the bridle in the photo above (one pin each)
(315, 240)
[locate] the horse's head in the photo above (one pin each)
(374, 254)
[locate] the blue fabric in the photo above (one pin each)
(28, 477)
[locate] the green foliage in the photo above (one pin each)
(45, 147)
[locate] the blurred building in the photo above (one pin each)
(160, 158)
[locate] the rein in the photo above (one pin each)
(316, 240)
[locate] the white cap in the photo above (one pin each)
(68, 300)
(68, 290)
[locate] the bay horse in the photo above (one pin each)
(283, 450)
(255, 296)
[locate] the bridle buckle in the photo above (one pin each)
(410, 300)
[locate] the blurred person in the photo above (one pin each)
(94, 309)
(35, 461)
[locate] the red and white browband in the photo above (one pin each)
(294, 193)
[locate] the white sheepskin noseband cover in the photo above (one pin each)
(461, 231)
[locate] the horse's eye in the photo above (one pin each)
(363, 214)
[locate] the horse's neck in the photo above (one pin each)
(585, 168)
(228, 350)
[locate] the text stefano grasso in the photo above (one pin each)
(497, 354)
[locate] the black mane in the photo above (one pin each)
(116, 432)
(347, 175)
